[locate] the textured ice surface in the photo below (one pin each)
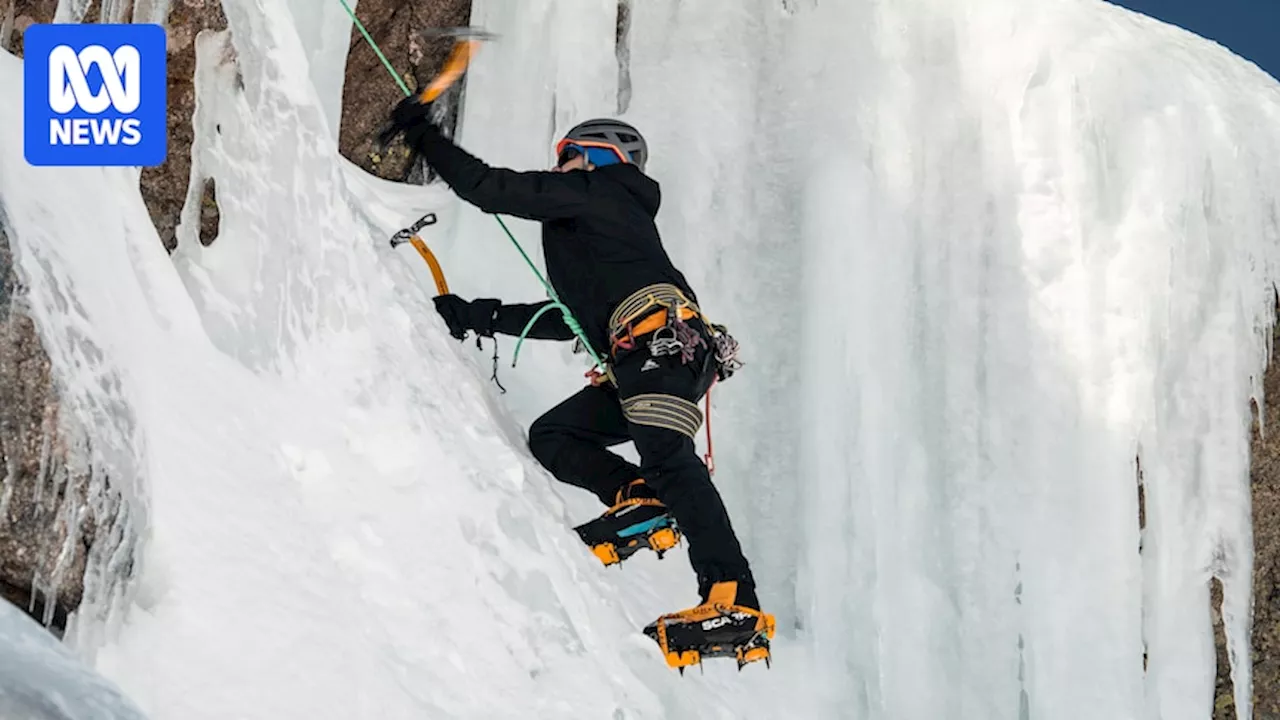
(40, 679)
(981, 258)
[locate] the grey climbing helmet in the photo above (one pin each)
(610, 134)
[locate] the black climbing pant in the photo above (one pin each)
(654, 405)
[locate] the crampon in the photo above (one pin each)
(712, 630)
(629, 527)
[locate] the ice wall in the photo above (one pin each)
(984, 257)
(981, 258)
(40, 679)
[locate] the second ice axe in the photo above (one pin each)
(410, 235)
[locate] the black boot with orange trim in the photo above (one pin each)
(637, 520)
(728, 623)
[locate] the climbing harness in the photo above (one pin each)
(662, 311)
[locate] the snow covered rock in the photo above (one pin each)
(40, 550)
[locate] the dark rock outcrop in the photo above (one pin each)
(164, 188)
(42, 555)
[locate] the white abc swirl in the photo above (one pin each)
(69, 88)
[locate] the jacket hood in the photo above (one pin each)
(644, 188)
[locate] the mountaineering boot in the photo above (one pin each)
(636, 521)
(728, 623)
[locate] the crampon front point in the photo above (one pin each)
(712, 631)
(629, 527)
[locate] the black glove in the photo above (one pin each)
(461, 316)
(407, 114)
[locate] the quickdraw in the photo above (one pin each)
(726, 352)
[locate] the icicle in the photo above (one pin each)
(152, 11)
(71, 11)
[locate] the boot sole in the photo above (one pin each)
(707, 631)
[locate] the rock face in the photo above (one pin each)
(23, 14)
(1265, 480)
(44, 514)
(42, 558)
(164, 188)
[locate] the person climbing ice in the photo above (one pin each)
(606, 263)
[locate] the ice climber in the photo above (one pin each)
(606, 262)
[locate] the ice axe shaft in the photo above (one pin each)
(410, 235)
(466, 31)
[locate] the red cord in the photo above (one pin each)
(710, 458)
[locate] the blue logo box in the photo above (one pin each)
(95, 95)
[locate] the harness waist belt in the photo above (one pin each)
(660, 294)
(654, 321)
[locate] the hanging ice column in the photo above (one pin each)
(1026, 244)
(1065, 278)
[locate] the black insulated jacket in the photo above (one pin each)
(599, 239)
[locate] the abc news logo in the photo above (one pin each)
(69, 89)
(95, 95)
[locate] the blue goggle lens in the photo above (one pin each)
(596, 156)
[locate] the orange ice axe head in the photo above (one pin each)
(466, 42)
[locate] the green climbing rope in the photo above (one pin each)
(377, 50)
(569, 319)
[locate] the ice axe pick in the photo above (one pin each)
(410, 235)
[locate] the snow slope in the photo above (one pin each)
(981, 259)
(41, 679)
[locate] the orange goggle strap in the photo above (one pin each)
(560, 146)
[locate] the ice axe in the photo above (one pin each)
(465, 44)
(410, 235)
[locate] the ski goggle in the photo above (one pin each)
(597, 153)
